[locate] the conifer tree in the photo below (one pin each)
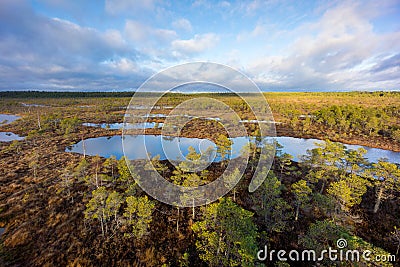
(226, 236)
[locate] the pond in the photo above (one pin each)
(156, 145)
(152, 115)
(260, 121)
(159, 145)
(9, 136)
(120, 125)
(299, 146)
(6, 118)
(33, 105)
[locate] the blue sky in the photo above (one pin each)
(118, 44)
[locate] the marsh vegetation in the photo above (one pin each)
(71, 209)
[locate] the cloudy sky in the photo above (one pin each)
(118, 44)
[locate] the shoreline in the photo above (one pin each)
(100, 132)
(378, 142)
(196, 131)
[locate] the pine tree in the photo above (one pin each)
(269, 204)
(113, 204)
(355, 160)
(230, 179)
(192, 180)
(326, 162)
(302, 194)
(67, 177)
(387, 180)
(223, 147)
(110, 165)
(138, 214)
(81, 170)
(348, 191)
(226, 236)
(96, 208)
(127, 175)
(124, 174)
(285, 160)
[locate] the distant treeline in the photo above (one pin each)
(58, 94)
(47, 94)
(337, 93)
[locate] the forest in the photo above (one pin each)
(67, 209)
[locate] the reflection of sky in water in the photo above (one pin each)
(138, 146)
(120, 125)
(299, 146)
(8, 137)
(171, 146)
(6, 118)
(33, 105)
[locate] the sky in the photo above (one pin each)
(280, 45)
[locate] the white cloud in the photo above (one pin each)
(136, 31)
(332, 52)
(198, 44)
(182, 24)
(144, 34)
(122, 65)
(114, 38)
(336, 45)
(56, 53)
(164, 35)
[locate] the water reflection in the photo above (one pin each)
(7, 118)
(171, 146)
(141, 145)
(33, 105)
(120, 125)
(9, 136)
(299, 146)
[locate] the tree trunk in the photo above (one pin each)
(297, 212)
(38, 120)
(378, 199)
(103, 216)
(322, 187)
(219, 243)
(193, 209)
(102, 226)
(177, 221)
(97, 182)
(83, 147)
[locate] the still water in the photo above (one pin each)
(8, 136)
(175, 148)
(6, 118)
(118, 125)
